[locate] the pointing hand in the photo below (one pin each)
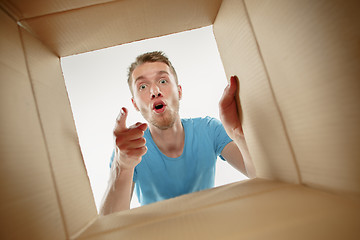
(130, 142)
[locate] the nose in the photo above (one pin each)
(155, 95)
(155, 92)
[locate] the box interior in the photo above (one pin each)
(297, 62)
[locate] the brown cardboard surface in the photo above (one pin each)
(118, 22)
(264, 130)
(312, 55)
(28, 9)
(254, 209)
(28, 204)
(179, 206)
(72, 183)
(298, 67)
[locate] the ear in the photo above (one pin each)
(134, 103)
(180, 92)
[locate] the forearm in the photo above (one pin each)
(119, 191)
(239, 140)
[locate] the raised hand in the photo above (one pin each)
(130, 142)
(229, 111)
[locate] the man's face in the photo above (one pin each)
(156, 94)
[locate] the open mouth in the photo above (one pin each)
(159, 106)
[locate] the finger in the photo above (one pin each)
(134, 144)
(137, 152)
(136, 125)
(228, 95)
(122, 138)
(233, 85)
(142, 127)
(136, 132)
(139, 125)
(121, 119)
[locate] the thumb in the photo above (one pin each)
(121, 119)
(139, 125)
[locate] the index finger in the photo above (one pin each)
(121, 120)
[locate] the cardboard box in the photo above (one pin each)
(298, 64)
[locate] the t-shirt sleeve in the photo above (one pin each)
(135, 175)
(112, 158)
(219, 135)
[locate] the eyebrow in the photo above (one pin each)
(158, 73)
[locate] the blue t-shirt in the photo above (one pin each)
(158, 177)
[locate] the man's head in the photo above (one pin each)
(155, 89)
(156, 56)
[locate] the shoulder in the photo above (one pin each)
(201, 121)
(205, 126)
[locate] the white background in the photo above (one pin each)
(97, 88)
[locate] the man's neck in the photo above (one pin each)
(170, 141)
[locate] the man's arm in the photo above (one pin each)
(239, 158)
(130, 147)
(236, 152)
(118, 194)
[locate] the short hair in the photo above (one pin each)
(156, 56)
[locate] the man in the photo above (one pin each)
(170, 156)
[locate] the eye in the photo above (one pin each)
(163, 81)
(142, 87)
